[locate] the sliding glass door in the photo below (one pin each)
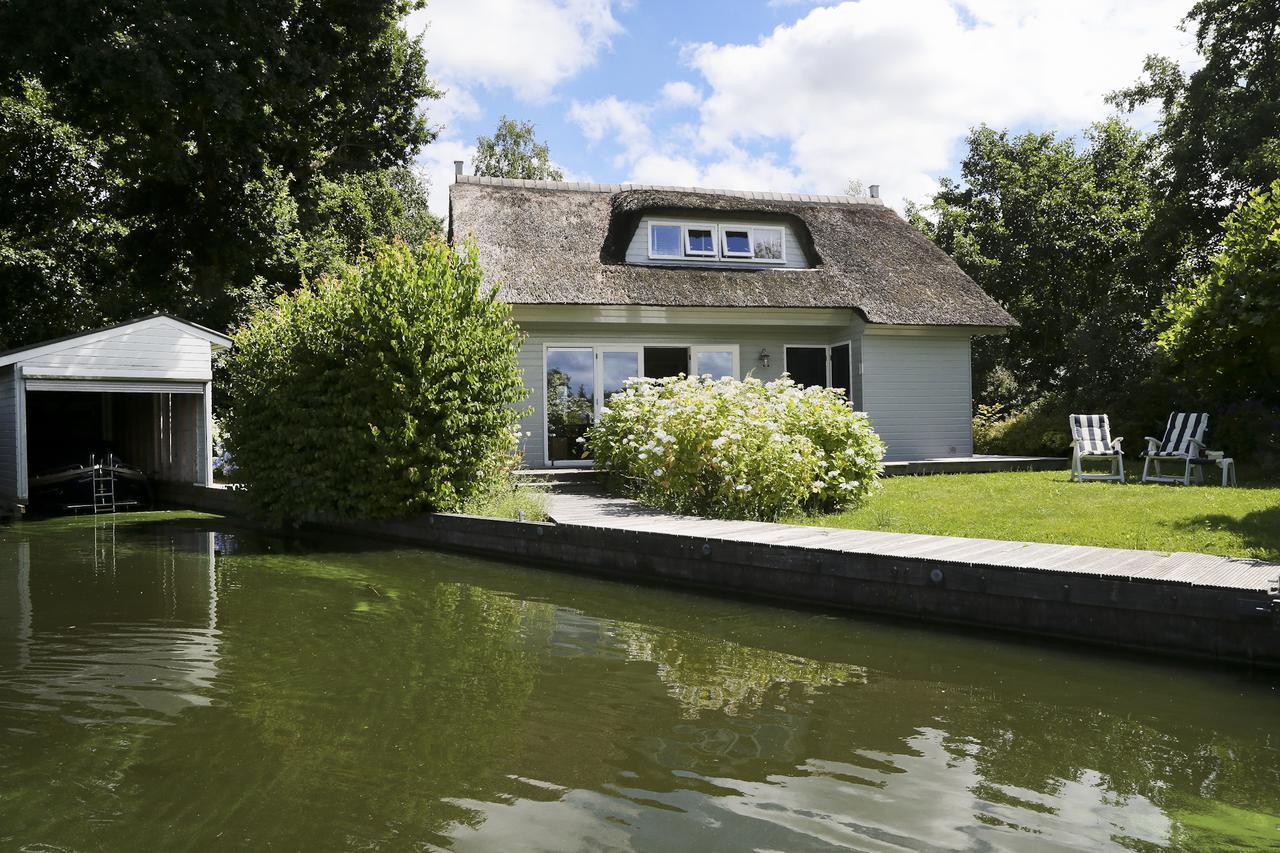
(571, 400)
(579, 381)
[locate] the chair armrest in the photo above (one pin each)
(1199, 446)
(1115, 442)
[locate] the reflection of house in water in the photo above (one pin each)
(109, 620)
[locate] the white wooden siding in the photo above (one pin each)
(917, 389)
(638, 248)
(152, 351)
(9, 431)
(749, 339)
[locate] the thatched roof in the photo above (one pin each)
(551, 242)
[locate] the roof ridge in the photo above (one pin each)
(749, 195)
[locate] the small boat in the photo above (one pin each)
(106, 484)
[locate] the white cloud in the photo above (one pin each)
(681, 93)
(885, 90)
(527, 46)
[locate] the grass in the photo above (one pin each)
(1045, 506)
(517, 501)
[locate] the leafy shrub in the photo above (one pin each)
(1040, 429)
(731, 449)
(384, 391)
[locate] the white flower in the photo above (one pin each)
(719, 442)
(658, 472)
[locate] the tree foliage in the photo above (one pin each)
(381, 392)
(514, 152)
(1053, 231)
(220, 134)
(1223, 331)
(1219, 131)
(58, 239)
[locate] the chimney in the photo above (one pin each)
(875, 190)
(457, 168)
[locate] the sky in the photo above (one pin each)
(778, 95)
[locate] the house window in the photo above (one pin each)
(737, 242)
(716, 241)
(766, 244)
(700, 240)
(664, 241)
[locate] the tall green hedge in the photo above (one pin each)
(385, 391)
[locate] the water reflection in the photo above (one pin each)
(140, 643)
(332, 694)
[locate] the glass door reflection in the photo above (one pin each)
(571, 401)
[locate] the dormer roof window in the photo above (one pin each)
(716, 241)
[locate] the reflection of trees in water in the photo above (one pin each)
(707, 674)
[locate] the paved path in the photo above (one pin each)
(1201, 570)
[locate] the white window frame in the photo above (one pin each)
(724, 245)
(686, 227)
(695, 351)
(782, 241)
(848, 392)
(720, 253)
(830, 348)
(597, 349)
(653, 256)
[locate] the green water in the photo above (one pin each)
(169, 683)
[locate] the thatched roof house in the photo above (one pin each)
(610, 280)
(548, 242)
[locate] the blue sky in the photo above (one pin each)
(785, 95)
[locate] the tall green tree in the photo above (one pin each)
(1052, 230)
(225, 127)
(1223, 332)
(1219, 131)
(515, 152)
(58, 239)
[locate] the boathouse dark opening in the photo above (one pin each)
(156, 433)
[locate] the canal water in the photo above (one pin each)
(168, 682)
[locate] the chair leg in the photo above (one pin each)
(1120, 466)
(1146, 463)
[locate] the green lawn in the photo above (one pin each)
(1046, 507)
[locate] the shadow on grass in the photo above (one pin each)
(1259, 530)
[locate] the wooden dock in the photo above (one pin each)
(1202, 570)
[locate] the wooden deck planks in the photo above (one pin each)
(1184, 568)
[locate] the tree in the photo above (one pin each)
(225, 127)
(1053, 232)
(514, 152)
(1223, 331)
(382, 392)
(1219, 132)
(58, 240)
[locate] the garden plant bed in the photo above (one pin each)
(1043, 506)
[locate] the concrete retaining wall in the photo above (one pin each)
(1233, 625)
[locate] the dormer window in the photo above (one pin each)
(664, 241)
(710, 241)
(737, 242)
(700, 241)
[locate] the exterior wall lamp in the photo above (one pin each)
(764, 358)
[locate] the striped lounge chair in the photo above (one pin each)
(1091, 438)
(1183, 442)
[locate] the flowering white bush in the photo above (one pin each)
(730, 449)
